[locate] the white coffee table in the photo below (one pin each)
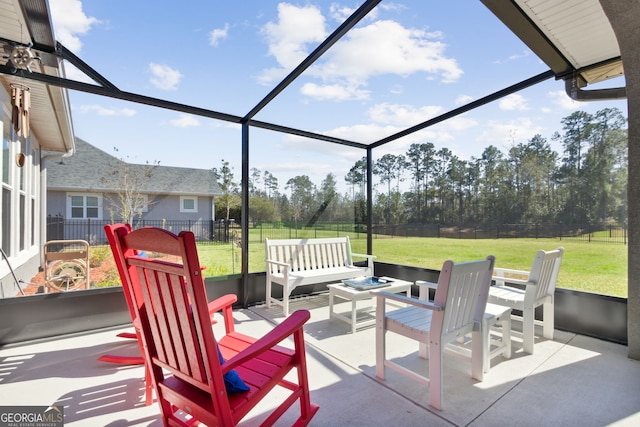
(348, 293)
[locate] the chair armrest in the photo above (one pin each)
(382, 295)
(500, 279)
(501, 271)
(287, 328)
(423, 293)
(223, 303)
(431, 285)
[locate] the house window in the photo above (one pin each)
(188, 204)
(84, 206)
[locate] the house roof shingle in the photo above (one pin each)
(89, 168)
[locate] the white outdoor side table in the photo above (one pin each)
(348, 293)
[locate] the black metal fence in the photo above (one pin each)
(92, 230)
(222, 231)
(588, 233)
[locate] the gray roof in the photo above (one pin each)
(89, 169)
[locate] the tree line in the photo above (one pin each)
(530, 183)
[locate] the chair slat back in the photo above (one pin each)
(544, 273)
(173, 312)
(463, 289)
(131, 295)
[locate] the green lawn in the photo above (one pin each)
(586, 266)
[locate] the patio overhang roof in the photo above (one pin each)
(28, 22)
(573, 37)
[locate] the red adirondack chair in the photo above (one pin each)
(133, 294)
(191, 371)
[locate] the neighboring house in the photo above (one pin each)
(85, 188)
(36, 129)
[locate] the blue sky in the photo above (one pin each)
(406, 62)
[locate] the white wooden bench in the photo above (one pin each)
(295, 262)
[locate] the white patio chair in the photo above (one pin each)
(536, 287)
(457, 310)
(493, 344)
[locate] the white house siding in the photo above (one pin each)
(19, 205)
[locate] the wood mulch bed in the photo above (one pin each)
(96, 275)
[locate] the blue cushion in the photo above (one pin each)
(232, 381)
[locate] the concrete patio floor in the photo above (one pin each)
(572, 380)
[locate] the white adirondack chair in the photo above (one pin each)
(457, 310)
(537, 287)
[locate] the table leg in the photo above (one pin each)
(353, 315)
(330, 303)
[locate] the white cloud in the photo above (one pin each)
(270, 75)
(505, 134)
(513, 102)
(396, 90)
(368, 133)
(463, 100)
(403, 115)
(335, 92)
(164, 77)
(514, 57)
(73, 73)
(340, 12)
(218, 34)
(562, 100)
(459, 123)
(441, 134)
(365, 133)
(388, 119)
(103, 111)
(382, 47)
(289, 39)
(398, 7)
(69, 21)
(386, 47)
(185, 121)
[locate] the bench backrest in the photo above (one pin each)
(309, 254)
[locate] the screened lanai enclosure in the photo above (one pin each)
(584, 49)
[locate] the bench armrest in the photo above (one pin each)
(363, 255)
(278, 263)
(382, 296)
(369, 258)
